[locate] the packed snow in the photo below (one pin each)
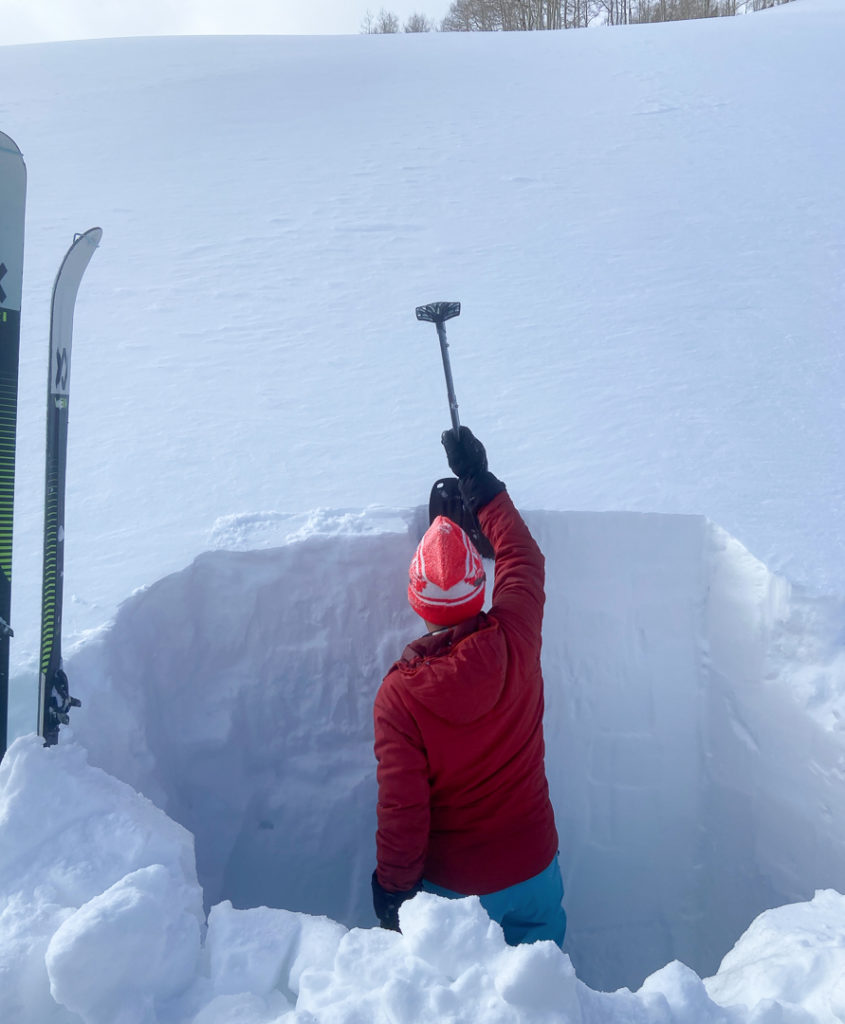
(645, 228)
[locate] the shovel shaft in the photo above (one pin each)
(447, 369)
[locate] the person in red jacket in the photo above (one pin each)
(463, 804)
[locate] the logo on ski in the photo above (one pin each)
(62, 367)
(3, 272)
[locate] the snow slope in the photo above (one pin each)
(645, 228)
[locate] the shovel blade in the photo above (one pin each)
(445, 500)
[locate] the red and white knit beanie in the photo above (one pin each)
(446, 582)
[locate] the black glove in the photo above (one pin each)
(468, 461)
(386, 904)
(464, 452)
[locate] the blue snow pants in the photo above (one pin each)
(528, 911)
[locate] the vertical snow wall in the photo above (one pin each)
(691, 728)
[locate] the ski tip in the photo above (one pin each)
(8, 144)
(92, 236)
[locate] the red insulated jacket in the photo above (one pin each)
(463, 797)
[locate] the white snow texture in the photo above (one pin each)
(651, 347)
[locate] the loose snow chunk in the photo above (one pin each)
(246, 1008)
(451, 935)
(790, 964)
(440, 968)
(372, 957)
(377, 978)
(681, 995)
(248, 949)
(123, 951)
(263, 949)
(539, 978)
(319, 940)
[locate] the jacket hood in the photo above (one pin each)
(459, 673)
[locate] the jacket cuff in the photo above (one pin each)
(500, 499)
(479, 489)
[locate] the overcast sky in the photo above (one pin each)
(32, 21)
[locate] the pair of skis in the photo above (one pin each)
(54, 701)
(445, 498)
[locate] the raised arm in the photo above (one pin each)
(518, 594)
(518, 591)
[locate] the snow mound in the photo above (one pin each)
(76, 946)
(791, 957)
(92, 875)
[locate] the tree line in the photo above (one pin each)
(538, 15)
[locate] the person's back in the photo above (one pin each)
(463, 799)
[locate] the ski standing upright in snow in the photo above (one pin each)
(12, 210)
(54, 700)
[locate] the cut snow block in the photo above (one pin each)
(451, 935)
(538, 979)
(123, 951)
(248, 949)
(263, 949)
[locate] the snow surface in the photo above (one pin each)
(645, 227)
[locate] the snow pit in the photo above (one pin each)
(691, 727)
